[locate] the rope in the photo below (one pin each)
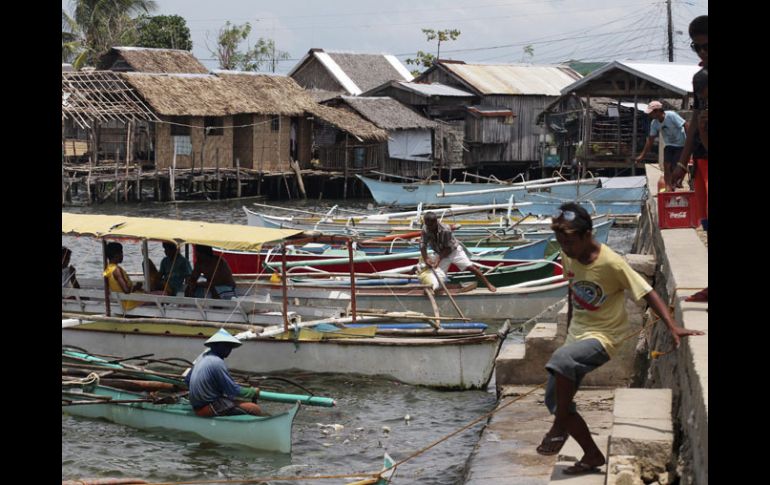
(467, 426)
(364, 474)
(92, 378)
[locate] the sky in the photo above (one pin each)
(492, 31)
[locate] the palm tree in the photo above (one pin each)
(97, 25)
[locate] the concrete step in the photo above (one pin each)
(642, 441)
(524, 363)
(505, 453)
(595, 407)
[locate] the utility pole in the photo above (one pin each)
(670, 33)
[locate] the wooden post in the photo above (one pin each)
(63, 151)
(128, 160)
(172, 174)
(117, 162)
(352, 281)
(219, 182)
(106, 280)
(238, 177)
(300, 182)
(345, 183)
(146, 265)
(284, 293)
(633, 137)
(138, 169)
(286, 184)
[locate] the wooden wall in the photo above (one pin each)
(220, 146)
(270, 148)
(243, 140)
(313, 75)
(524, 144)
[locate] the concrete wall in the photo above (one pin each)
(683, 270)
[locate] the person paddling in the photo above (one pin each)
(212, 389)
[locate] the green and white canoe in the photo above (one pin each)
(269, 433)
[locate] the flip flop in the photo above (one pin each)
(701, 296)
(580, 468)
(549, 440)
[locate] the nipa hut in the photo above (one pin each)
(409, 148)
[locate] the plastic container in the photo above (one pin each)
(677, 210)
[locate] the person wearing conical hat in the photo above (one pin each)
(212, 389)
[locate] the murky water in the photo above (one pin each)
(371, 410)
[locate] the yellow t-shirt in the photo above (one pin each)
(109, 273)
(598, 300)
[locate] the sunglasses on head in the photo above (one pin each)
(568, 216)
(698, 47)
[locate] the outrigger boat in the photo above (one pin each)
(616, 189)
(120, 403)
(456, 362)
(269, 433)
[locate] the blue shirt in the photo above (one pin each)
(176, 276)
(673, 129)
(209, 380)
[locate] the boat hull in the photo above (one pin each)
(270, 433)
(450, 363)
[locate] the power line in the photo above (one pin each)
(540, 40)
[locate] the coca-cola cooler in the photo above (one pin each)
(677, 210)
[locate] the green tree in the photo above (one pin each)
(95, 26)
(529, 50)
(163, 31)
(425, 59)
(230, 58)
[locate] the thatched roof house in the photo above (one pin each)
(410, 135)
(347, 72)
(268, 114)
(386, 113)
(145, 59)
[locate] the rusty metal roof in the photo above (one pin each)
(511, 79)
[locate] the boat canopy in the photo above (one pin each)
(225, 236)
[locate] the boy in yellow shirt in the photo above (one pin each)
(596, 323)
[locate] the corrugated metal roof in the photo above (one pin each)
(435, 89)
(509, 79)
(675, 77)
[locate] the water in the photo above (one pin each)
(364, 406)
(92, 448)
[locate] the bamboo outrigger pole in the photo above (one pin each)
(106, 280)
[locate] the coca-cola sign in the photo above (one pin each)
(677, 215)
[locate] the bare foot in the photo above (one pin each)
(491, 288)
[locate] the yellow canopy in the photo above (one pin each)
(225, 236)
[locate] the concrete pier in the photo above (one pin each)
(656, 432)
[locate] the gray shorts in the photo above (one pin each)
(573, 361)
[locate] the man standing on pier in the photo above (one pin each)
(597, 324)
(448, 250)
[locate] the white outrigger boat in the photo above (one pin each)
(456, 362)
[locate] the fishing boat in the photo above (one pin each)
(414, 193)
(455, 362)
(269, 433)
(438, 193)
